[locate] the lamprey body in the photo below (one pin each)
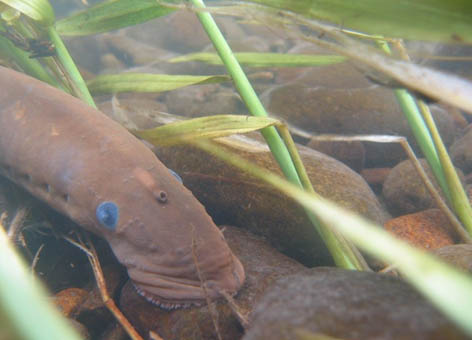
(94, 171)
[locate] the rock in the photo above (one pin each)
(263, 265)
(346, 305)
(350, 153)
(70, 299)
(461, 152)
(459, 255)
(132, 52)
(232, 196)
(145, 110)
(92, 312)
(114, 332)
(404, 191)
(375, 176)
(81, 330)
(87, 52)
(204, 100)
(428, 229)
(337, 99)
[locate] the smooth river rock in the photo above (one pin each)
(338, 99)
(346, 305)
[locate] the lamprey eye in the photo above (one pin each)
(108, 214)
(176, 175)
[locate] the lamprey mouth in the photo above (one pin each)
(173, 293)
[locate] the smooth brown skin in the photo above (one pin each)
(73, 157)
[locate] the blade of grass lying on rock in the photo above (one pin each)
(254, 59)
(111, 15)
(25, 301)
(449, 289)
(38, 10)
(433, 20)
(142, 82)
(204, 127)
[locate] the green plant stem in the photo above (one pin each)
(422, 136)
(276, 145)
(331, 237)
(459, 200)
(420, 130)
(77, 82)
(247, 92)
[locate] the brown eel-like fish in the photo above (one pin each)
(94, 171)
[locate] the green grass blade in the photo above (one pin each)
(422, 136)
(204, 127)
(254, 59)
(25, 301)
(143, 82)
(38, 10)
(77, 82)
(458, 197)
(30, 66)
(111, 15)
(433, 20)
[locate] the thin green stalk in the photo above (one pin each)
(420, 131)
(276, 145)
(459, 200)
(422, 136)
(73, 73)
(247, 92)
(331, 237)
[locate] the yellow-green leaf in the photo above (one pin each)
(142, 82)
(38, 10)
(111, 15)
(254, 59)
(434, 20)
(204, 128)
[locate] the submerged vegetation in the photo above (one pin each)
(30, 40)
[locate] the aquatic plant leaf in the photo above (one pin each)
(433, 20)
(265, 59)
(111, 15)
(38, 10)
(204, 127)
(142, 82)
(25, 301)
(449, 289)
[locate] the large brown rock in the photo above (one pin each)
(428, 229)
(346, 305)
(461, 151)
(234, 197)
(404, 190)
(338, 99)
